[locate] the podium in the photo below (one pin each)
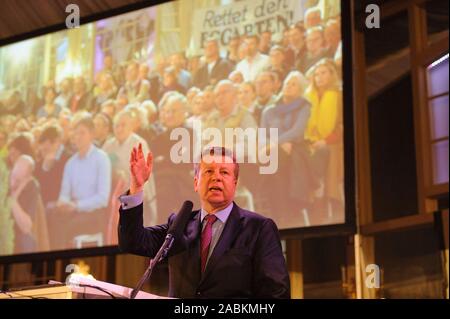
(77, 288)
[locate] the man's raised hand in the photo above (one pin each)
(140, 169)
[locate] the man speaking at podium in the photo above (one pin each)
(224, 251)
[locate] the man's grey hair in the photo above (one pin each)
(173, 96)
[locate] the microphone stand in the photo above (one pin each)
(162, 253)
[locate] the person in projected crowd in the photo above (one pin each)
(225, 251)
(324, 134)
(85, 189)
(290, 115)
(119, 146)
(49, 170)
(30, 226)
(170, 178)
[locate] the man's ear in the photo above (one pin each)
(195, 184)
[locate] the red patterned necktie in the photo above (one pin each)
(206, 239)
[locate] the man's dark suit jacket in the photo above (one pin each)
(247, 261)
(219, 71)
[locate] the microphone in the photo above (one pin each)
(175, 231)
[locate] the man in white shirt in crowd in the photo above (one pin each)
(254, 62)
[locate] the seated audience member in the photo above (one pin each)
(103, 129)
(332, 35)
(277, 61)
(290, 115)
(215, 68)
(183, 77)
(140, 123)
(170, 82)
(313, 17)
(65, 122)
(65, 93)
(199, 112)
(229, 114)
(247, 96)
(49, 170)
(118, 149)
(316, 49)
(265, 93)
(107, 90)
(295, 52)
(109, 108)
(233, 48)
(209, 100)
(173, 179)
(254, 62)
(50, 108)
(82, 99)
(30, 227)
(265, 42)
(152, 111)
(134, 89)
(325, 135)
(85, 189)
(190, 95)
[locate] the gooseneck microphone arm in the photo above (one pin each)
(162, 253)
(175, 230)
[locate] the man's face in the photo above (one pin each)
(177, 61)
(295, 38)
(101, 128)
(215, 182)
(276, 58)
(332, 35)
(198, 104)
(48, 147)
(208, 100)
(252, 46)
(82, 137)
(264, 86)
(225, 98)
(123, 127)
(211, 49)
(246, 95)
(314, 42)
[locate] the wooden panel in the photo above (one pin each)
(18, 17)
(402, 223)
(418, 35)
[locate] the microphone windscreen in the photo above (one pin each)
(181, 219)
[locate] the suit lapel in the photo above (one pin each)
(229, 233)
(192, 233)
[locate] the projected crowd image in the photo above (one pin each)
(74, 103)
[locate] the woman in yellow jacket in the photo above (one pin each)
(325, 135)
